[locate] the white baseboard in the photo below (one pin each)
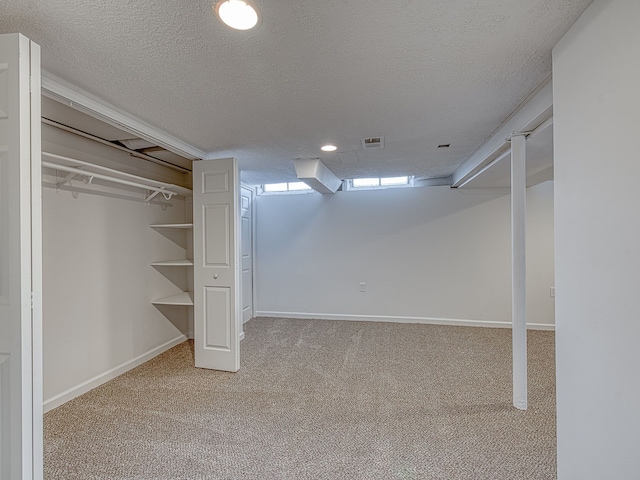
(84, 387)
(399, 319)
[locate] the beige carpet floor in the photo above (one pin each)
(319, 400)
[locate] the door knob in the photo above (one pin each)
(215, 276)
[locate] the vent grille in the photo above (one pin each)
(372, 142)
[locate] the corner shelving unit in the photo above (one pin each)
(182, 298)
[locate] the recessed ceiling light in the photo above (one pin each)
(237, 14)
(328, 148)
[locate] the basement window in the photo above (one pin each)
(379, 182)
(289, 187)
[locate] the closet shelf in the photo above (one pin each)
(173, 263)
(89, 170)
(183, 298)
(173, 225)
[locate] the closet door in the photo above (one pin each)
(246, 240)
(20, 260)
(216, 258)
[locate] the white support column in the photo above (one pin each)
(518, 268)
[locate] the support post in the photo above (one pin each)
(518, 268)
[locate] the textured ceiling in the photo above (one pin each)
(421, 73)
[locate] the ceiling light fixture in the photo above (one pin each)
(328, 148)
(237, 14)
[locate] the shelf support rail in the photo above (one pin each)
(166, 189)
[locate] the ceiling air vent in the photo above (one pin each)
(372, 142)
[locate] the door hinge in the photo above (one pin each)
(31, 300)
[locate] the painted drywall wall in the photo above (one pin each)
(98, 283)
(427, 254)
(596, 70)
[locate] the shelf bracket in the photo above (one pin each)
(165, 193)
(67, 179)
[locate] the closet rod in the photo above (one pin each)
(108, 170)
(75, 170)
(133, 153)
(168, 190)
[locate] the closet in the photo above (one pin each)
(117, 254)
(126, 270)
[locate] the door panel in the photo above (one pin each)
(215, 182)
(216, 256)
(20, 260)
(216, 230)
(5, 415)
(218, 310)
(4, 206)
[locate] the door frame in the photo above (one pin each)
(26, 111)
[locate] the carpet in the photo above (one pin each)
(319, 399)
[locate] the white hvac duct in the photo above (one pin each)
(316, 174)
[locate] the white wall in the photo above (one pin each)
(596, 82)
(98, 283)
(427, 254)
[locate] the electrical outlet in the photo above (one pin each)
(363, 287)
(552, 292)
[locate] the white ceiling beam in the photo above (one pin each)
(533, 177)
(533, 112)
(66, 93)
(316, 174)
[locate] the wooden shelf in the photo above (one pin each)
(183, 298)
(173, 225)
(173, 263)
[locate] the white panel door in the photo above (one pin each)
(20, 267)
(246, 236)
(216, 258)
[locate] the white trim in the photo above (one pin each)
(98, 380)
(64, 92)
(241, 336)
(401, 319)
